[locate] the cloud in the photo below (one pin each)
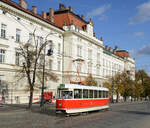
(102, 17)
(139, 34)
(143, 14)
(99, 12)
(144, 51)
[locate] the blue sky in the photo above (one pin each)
(125, 23)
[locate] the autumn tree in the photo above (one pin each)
(119, 84)
(91, 81)
(32, 55)
(114, 86)
(144, 80)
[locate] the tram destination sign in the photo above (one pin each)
(62, 86)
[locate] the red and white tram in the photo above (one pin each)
(74, 98)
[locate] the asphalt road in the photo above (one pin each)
(135, 115)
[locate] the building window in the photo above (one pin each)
(79, 51)
(18, 34)
(59, 66)
(17, 58)
(98, 71)
(89, 68)
(59, 47)
(3, 31)
(50, 64)
(30, 37)
(89, 54)
(103, 62)
(2, 56)
(41, 41)
(98, 58)
(1, 78)
(79, 64)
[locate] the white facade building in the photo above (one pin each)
(70, 42)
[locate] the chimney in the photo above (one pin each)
(34, 9)
(51, 15)
(94, 34)
(70, 8)
(106, 47)
(116, 48)
(114, 51)
(23, 4)
(110, 49)
(44, 14)
(101, 39)
(61, 6)
(91, 22)
(82, 17)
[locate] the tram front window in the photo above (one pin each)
(66, 94)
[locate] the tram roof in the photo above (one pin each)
(78, 86)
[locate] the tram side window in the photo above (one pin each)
(67, 94)
(90, 93)
(77, 93)
(104, 94)
(95, 93)
(85, 93)
(100, 94)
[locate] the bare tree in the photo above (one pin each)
(33, 55)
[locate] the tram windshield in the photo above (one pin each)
(64, 94)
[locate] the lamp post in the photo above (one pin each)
(49, 53)
(112, 93)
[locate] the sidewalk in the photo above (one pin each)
(129, 102)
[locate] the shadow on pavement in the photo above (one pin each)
(48, 109)
(135, 112)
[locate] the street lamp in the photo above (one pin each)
(49, 53)
(112, 93)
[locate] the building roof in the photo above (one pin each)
(122, 53)
(67, 17)
(111, 53)
(17, 6)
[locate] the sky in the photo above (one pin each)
(125, 23)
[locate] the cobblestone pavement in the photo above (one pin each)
(135, 115)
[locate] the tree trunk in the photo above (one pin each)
(31, 97)
(125, 98)
(112, 98)
(117, 99)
